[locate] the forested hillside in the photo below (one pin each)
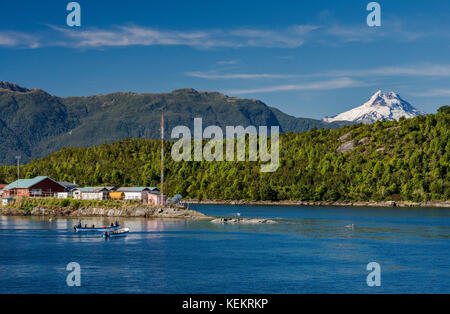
(405, 160)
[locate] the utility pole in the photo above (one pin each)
(18, 173)
(162, 158)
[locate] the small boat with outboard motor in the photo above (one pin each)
(93, 228)
(118, 233)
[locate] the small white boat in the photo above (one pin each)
(118, 233)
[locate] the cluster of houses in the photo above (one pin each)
(43, 186)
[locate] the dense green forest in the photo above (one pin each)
(404, 160)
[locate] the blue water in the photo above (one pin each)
(309, 250)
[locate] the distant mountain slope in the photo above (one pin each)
(27, 118)
(35, 123)
(381, 106)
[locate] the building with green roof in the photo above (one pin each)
(41, 186)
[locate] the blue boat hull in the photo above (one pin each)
(101, 229)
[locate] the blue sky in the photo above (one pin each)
(307, 58)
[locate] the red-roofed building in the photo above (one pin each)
(2, 186)
(36, 187)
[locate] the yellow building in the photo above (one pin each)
(117, 195)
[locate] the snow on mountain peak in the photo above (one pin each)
(381, 106)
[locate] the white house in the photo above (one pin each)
(64, 195)
(134, 193)
(92, 193)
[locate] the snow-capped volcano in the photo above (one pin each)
(381, 106)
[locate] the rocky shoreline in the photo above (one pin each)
(248, 221)
(128, 212)
(183, 213)
(445, 204)
(142, 212)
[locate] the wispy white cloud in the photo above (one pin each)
(432, 70)
(6, 40)
(19, 40)
(217, 76)
(120, 36)
(410, 70)
(294, 36)
(433, 93)
(291, 37)
(322, 85)
(137, 36)
(361, 33)
(228, 62)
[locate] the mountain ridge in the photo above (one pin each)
(35, 123)
(7, 86)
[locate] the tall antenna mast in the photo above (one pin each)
(18, 173)
(162, 157)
